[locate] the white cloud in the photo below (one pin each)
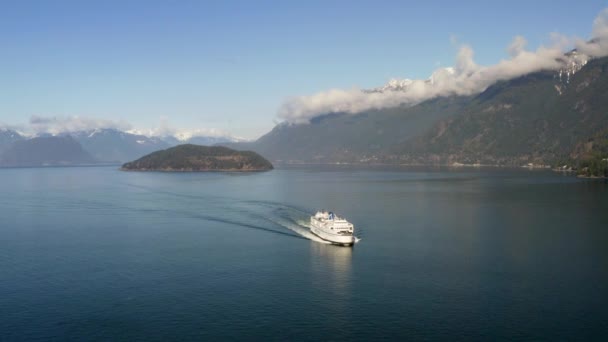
(598, 46)
(600, 25)
(517, 46)
(201, 132)
(69, 124)
(465, 78)
(166, 129)
(66, 124)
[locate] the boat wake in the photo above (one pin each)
(284, 217)
(265, 216)
(290, 218)
(303, 228)
(294, 219)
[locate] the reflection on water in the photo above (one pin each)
(331, 279)
(332, 266)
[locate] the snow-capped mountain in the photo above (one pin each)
(572, 62)
(199, 139)
(207, 140)
(402, 85)
(109, 144)
(392, 85)
(112, 145)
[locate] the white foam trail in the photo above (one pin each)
(300, 227)
(303, 229)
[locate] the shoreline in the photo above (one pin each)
(592, 177)
(454, 166)
(194, 171)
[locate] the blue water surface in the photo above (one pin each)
(93, 253)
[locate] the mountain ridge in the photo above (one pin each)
(536, 118)
(7, 138)
(46, 151)
(531, 119)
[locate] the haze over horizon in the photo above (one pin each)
(236, 68)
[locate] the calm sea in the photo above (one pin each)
(99, 254)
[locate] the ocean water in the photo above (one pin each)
(94, 253)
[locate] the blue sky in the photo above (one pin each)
(230, 64)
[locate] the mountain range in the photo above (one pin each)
(547, 117)
(100, 145)
(45, 151)
(537, 118)
(541, 118)
(7, 138)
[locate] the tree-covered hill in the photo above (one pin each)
(535, 118)
(199, 158)
(538, 118)
(359, 137)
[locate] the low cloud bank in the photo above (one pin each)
(464, 78)
(56, 125)
(65, 124)
(166, 129)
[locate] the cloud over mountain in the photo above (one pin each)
(465, 78)
(166, 129)
(56, 125)
(598, 46)
(65, 124)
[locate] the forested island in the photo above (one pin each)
(194, 158)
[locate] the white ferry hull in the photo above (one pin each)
(337, 239)
(333, 238)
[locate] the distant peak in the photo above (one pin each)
(402, 85)
(394, 84)
(572, 62)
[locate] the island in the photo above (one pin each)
(196, 158)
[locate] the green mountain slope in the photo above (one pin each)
(538, 118)
(590, 157)
(352, 138)
(535, 118)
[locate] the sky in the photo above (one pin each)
(232, 66)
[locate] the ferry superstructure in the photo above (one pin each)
(330, 227)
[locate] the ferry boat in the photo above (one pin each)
(328, 226)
